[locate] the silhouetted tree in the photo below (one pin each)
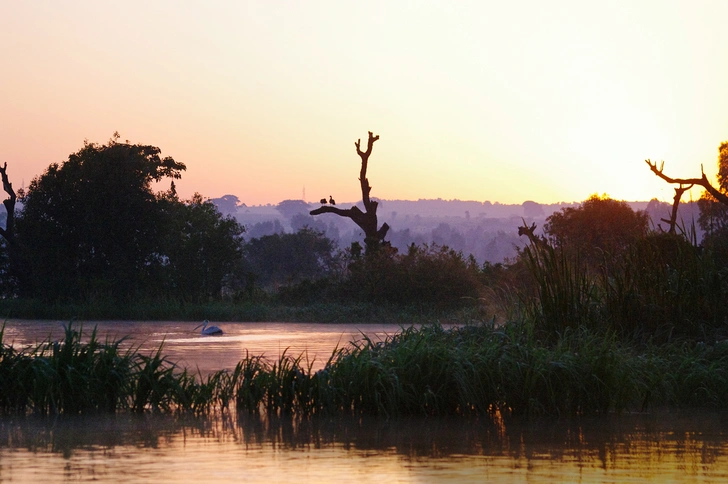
(282, 259)
(227, 203)
(92, 227)
(429, 275)
(532, 209)
(201, 248)
(598, 227)
(8, 233)
(367, 220)
(289, 208)
(714, 212)
(10, 264)
(713, 217)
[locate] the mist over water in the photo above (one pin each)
(675, 447)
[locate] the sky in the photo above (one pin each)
(502, 101)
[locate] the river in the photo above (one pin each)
(666, 447)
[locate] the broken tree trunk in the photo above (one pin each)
(675, 205)
(15, 266)
(8, 233)
(367, 220)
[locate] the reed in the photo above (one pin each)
(72, 376)
(566, 294)
(479, 369)
(251, 390)
(476, 369)
(659, 288)
(666, 287)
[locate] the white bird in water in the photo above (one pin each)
(208, 331)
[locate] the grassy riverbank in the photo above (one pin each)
(643, 330)
(469, 370)
(265, 311)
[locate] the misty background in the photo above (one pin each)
(486, 230)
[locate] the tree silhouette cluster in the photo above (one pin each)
(92, 227)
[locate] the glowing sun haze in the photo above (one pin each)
(502, 101)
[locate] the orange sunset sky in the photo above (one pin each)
(485, 100)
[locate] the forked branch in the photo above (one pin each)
(364, 181)
(366, 220)
(675, 204)
(702, 181)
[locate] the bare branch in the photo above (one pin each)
(9, 231)
(382, 232)
(679, 191)
(363, 180)
(366, 220)
(342, 212)
(703, 181)
(370, 143)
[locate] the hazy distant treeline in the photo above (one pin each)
(487, 231)
(92, 229)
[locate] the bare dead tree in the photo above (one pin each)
(8, 233)
(702, 181)
(367, 220)
(15, 266)
(685, 184)
(679, 191)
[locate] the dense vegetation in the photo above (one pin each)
(599, 313)
(91, 229)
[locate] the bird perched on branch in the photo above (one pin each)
(331, 200)
(323, 201)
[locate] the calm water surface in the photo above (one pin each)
(187, 348)
(665, 447)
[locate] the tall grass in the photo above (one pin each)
(642, 330)
(659, 288)
(566, 295)
(481, 370)
(666, 287)
(72, 376)
(470, 370)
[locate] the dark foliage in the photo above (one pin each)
(203, 252)
(426, 275)
(597, 228)
(287, 259)
(714, 214)
(92, 228)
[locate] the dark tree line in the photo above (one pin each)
(92, 227)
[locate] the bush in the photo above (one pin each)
(427, 275)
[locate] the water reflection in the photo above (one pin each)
(187, 348)
(677, 447)
(627, 448)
